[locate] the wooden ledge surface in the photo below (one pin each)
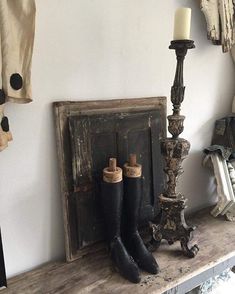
(95, 274)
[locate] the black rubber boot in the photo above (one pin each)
(131, 237)
(112, 200)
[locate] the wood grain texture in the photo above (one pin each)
(95, 274)
(79, 126)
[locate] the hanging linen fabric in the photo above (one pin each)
(17, 28)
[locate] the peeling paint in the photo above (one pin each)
(219, 16)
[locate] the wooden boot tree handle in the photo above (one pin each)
(112, 164)
(112, 173)
(132, 169)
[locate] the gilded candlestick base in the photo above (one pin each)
(173, 226)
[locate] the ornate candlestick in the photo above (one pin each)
(172, 226)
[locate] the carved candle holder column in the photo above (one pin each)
(172, 226)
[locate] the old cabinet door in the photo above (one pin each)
(96, 138)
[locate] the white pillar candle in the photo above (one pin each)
(182, 24)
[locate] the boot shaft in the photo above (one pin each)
(112, 199)
(132, 193)
(132, 202)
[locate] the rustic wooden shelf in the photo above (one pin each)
(179, 274)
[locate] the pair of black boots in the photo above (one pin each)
(121, 204)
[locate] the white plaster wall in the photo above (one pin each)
(89, 49)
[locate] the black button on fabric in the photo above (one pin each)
(2, 97)
(5, 124)
(16, 81)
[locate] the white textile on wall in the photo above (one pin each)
(17, 27)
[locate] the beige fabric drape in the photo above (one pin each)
(17, 27)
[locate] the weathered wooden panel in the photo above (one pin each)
(88, 133)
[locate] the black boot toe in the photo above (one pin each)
(140, 253)
(149, 264)
(124, 262)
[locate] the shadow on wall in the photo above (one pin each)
(196, 176)
(35, 210)
(197, 182)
